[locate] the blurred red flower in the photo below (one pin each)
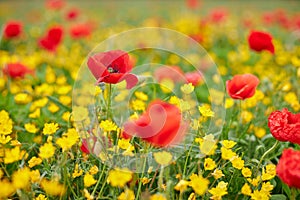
(72, 14)
(52, 39)
(193, 77)
(218, 15)
(288, 168)
(161, 125)
(15, 70)
(242, 86)
(12, 29)
(112, 67)
(192, 4)
(80, 30)
(55, 4)
(259, 41)
(285, 126)
(169, 72)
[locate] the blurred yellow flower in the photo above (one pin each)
(41, 197)
(206, 111)
(163, 158)
(77, 172)
(181, 185)
(31, 128)
(53, 108)
(6, 124)
(219, 191)
(246, 189)
(89, 180)
(21, 178)
(119, 177)
(6, 188)
(50, 128)
(35, 176)
(138, 105)
(199, 184)
(5, 139)
(228, 144)
(217, 174)
(94, 170)
(157, 197)
(108, 126)
(22, 98)
(268, 172)
(141, 95)
(227, 154)
(34, 161)
(246, 172)
(80, 113)
(126, 195)
(53, 187)
(47, 150)
(187, 88)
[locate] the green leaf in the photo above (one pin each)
(278, 197)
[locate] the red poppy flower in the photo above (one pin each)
(288, 168)
(173, 73)
(12, 29)
(80, 30)
(285, 126)
(52, 39)
(161, 125)
(192, 4)
(55, 4)
(242, 86)
(112, 67)
(72, 14)
(259, 41)
(16, 70)
(193, 77)
(218, 15)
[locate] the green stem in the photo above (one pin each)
(186, 161)
(266, 153)
(293, 194)
(160, 179)
(140, 182)
(99, 179)
(109, 115)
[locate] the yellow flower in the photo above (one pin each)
(209, 164)
(80, 113)
(158, 197)
(259, 195)
(53, 108)
(181, 185)
(218, 173)
(219, 191)
(142, 96)
(66, 116)
(119, 177)
(31, 128)
(50, 128)
(269, 173)
(237, 162)
(35, 176)
(246, 189)
(65, 100)
(246, 116)
(206, 111)
(167, 85)
(246, 172)
(124, 143)
(199, 184)
(229, 102)
(6, 189)
(228, 143)
(163, 158)
(187, 88)
(77, 172)
(266, 187)
(108, 126)
(94, 170)
(22, 98)
(88, 180)
(208, 145)
(47, 150)
(255, 181)
(53, 187)
(227, 154)
(175, 101)
(87, 195)
(34, 161)
(21, 178)
(6, 124)
(259, 132)
(145, 180)
(138, 105)
(35, 114)
(41, 197)
(5, 139)
(126, 195)
(12, 155)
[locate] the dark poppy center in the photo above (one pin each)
(112, 69)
